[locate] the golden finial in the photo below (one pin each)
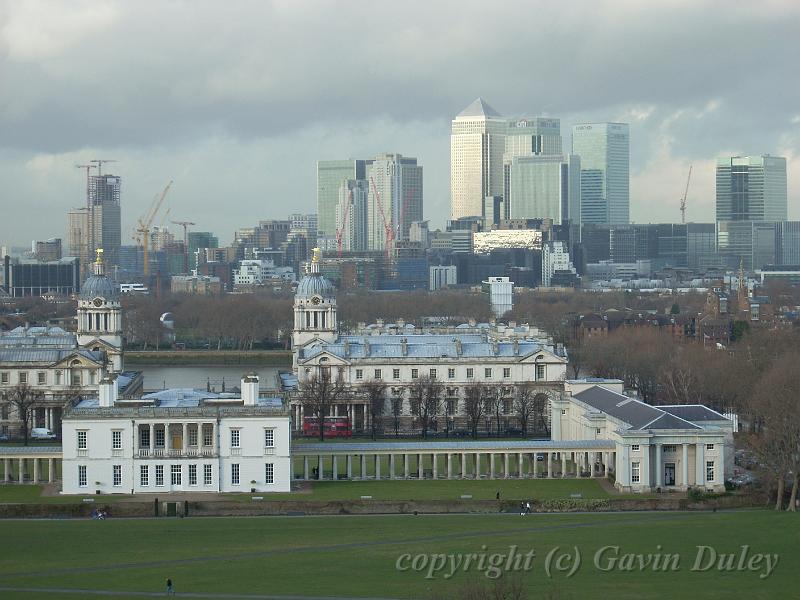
(99, 253)
(316, 255)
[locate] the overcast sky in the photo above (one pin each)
(235, 100)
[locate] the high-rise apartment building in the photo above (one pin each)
(604, 149)
(751, 188)
(544, 187)
(105, 219)
(397, 180)
(330, 174)
(477, 146)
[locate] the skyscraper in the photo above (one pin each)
(398, 180)
(352, 215)
(477, 145)
(78, 236)
(751, 188)
(545, 187)
(105, 220)
(604, 149)
(330, 174)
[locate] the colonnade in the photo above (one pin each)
(29, 469)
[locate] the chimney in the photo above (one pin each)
(107, 391)
(347, 348)
(404, 346)
(472, 322)
(250, 389)
(379, 322)
(366, 348)
(516, 347)
(401, 323)
(495, 347)
(458, 346)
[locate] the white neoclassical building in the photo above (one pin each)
(455, 357)
(169, 444)
(666, 447)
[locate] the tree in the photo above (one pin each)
(540, 404)
(524, 405)
(494, 404)
(318, 394)
(24, 398)
(397, 412)
(375, 392)
(675, 310)
(473, 406)
(425, 394)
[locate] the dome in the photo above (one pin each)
(99, 286)
(314, 284)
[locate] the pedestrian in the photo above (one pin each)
(170, 589)
(521, 509)
(498, 496)
(528, 507)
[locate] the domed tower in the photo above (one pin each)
(314, 307)
(100, 315)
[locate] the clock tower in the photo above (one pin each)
(100, 315)
(314, 307)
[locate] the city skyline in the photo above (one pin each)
(234, 128)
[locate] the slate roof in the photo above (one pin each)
(45, 356)
(693, 412)
(38, 337)
(668, 421)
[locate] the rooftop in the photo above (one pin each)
(478, 108)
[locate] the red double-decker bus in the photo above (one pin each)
(334, 427)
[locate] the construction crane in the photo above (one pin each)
(99, 162)
(143, 227)
(185, 225)
(685, 193)
(89, 220)
(387, 226)
(340, 231)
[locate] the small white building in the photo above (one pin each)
(666, 447)
(442, 276)
(501, 294)
(190, 444)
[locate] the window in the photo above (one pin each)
(81, 475)
(235, 474)
(563, 411)
(709, 446)
(540, 372)
(269, 438)
(207, 479)
(359, 373)
(396, 373)
(432, 373)
(710, 470)
(23, 377)
(192, 474)
(144, 475)
(397, 407)
(81, 440)
(41, 378)
(4, 377)
(507, 406)
(470, 372)
(269, 473)
(116, 439)
(144, 437)
(414, 373)
(506, 372)
(235, 435)
(4, 412)
(597, 431)
(59, 375)
(487, 373)
(117, 475)
(159, 434)
(378, 374)
(452, 406)
(670, 448)
(193, 436)
(451, 373)
(175, 474)
(159, 474)
(634, 472)
(208, 435)
(76, 378)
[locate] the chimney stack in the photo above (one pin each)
(108, 390)
(250, 389)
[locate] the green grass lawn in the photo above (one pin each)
(356, 556)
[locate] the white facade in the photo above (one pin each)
(545, 187)
(501, 294)
(258, 271)
(442, 276)
(555, 257)
(127, 447)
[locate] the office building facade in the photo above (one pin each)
(751, 188)
(330, 174)
(544, 187)
(395, 197)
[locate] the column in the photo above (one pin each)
(550, 465)
(152, 438)
(363, 466)
(520, 459)
(685, 465)
(463, 458)
(606, 459)
(420, 464)
(646, 477)
(392, 468)
(35, 470)
(21, 470)
(320, 467)
(6, 470)
(366, 419)
(700, 476)
(305, 468)
(377, 466)
(563, 465)
(349, 466)
(185, 437)
(435, 466)
(449, 465)
(405, 465)
(719, 470)
(659, 468)
(335, 465)
(491, 465)
(505, 465)
(51, 470)
(477, 465)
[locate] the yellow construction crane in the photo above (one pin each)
(143, 227)
(685, 193)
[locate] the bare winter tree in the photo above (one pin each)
(24, 399)
(318, 395)
(473, 406)
(375, 392)
(425, 394)
(524, 405)
(493, 404)
(397, 412)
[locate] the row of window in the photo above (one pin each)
(40, 377)
(488, 373)
(451, 406)
(144, 437)
(636, 471)
(667, 447)
(175, 475)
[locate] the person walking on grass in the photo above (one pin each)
(170, 589)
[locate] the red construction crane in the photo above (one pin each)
(387, 226)
(185, 225)
(340, 231)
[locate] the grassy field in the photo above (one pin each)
(356, 556)
(269, 358)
